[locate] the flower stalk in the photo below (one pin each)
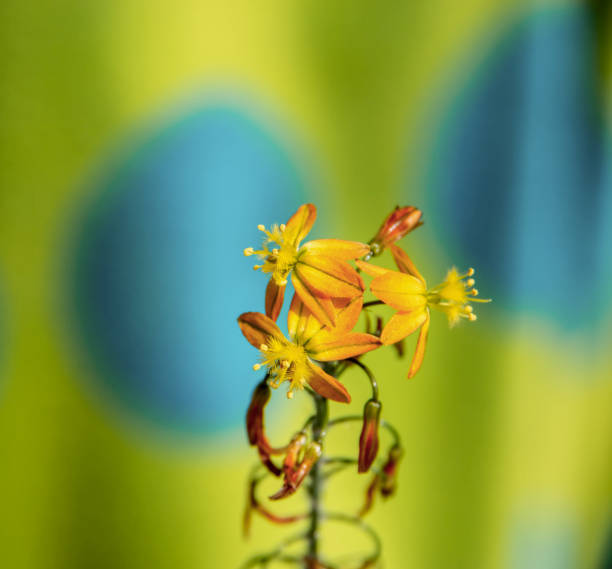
(320, 344)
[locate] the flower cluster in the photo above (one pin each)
(321, 342)
(329, 296)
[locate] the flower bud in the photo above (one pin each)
(368, 441)
(389, 471)
(400, 222)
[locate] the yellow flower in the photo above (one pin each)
(407, 292)
(292, 359)
(319, 271)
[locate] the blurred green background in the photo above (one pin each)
(141, 144)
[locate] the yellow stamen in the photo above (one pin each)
(256, 367)
(261, 227)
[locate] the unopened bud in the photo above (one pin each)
(389, 471)
(368, 441)
(400, 222)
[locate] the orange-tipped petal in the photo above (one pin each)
(402, 324)
(372, 270)
(347, 315)
(419, 352)
(322, 307)
(257, 328)
(274, 299)
(300, 223)
(347, 346)
(399, 290)
(404, 262)
(337, 248)
(327, 386)
(301, 322)
(329, 277)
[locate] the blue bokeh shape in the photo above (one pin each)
(519, 181)
(160, 277)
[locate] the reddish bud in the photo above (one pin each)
(368, 441)
(400, 222)
(389, 471)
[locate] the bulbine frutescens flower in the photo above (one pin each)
(407, 292)
(292, 359)
(319, 269)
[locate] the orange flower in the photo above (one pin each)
(407, 292)
(319, 271)
(292, 359)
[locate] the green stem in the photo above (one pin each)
(370, 375)
(319, 425)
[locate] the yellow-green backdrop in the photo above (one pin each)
(141, 144)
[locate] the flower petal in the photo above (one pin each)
(370, 269)
(337, 248)
(399, 290)
(321, 306)
(419, 352)
(404, 262)
(300, 223)
(301, 322)
(329, 276)
(257, 328)
(402, 324)
(275, 294)
(327, 386)
(346, 346)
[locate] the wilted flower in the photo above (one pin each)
(400, 222)
(255, 426)
(407, 292)
(319, 271)
(292, 359)
(253, 505)
(368, 441)
(296, 469)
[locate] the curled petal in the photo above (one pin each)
(257, 328)
(419, 352)
(402, 324)
(401, 291)
(275, 294)
(329, 277)
(326, 385)
(372, 270)
(300, 223)
(347, 346)
(404, 262)
(321, 306)
(337, 248)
